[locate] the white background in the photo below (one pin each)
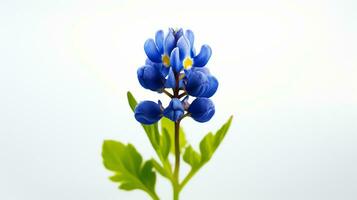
(287, 72)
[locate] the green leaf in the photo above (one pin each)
(170, 128)
(159, 169)
(127, 164)
(208, 146)
(210, 142)
(131, 100)
(192, 157)
(152, 130)
(165, 144)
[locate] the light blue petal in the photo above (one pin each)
(175, 60)
(190, 36)
(170, 81)
(151, 51)
(178, 33)
(169, 42)
(159, 40)
(202, 58)
(184, 45)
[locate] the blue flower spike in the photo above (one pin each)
(172, 60)
(171, 68)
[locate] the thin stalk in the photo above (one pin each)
(176, 181)
(177, 150)
(167, 93)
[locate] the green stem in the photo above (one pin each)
(176, 175)
(176, 183)
(187, 178)
(154, 196)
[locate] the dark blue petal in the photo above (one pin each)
(170, 43)
(204, 70)
(170, 81)
(178, 34)
(201, 109)
(150, 78)
(184, 46)
(212, 87)
(202, 58)
(196, 83)
(175, 110)
(148, 112)
(175, 61)
(151, 51)
(159, 40)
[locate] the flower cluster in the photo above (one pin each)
(172, 63)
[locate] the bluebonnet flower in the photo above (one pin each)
(148, 112)
(173, 63)
(202, 109)
(200, 83)
(150, 78)
(183, 56)
(175, 110)
(159, 51)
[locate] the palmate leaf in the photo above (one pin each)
(208, 146)
(127, 164)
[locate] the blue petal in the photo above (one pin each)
(175, 110)
(202, 109)
(212, 88)
(150, 78)
(190, 36)
(202, 58)
(184, 46)
(197, 83)
(151, 51)
(171, 81)
(178, 34)
(175, 60)
(169, 43)
(159, 66)
(159, 40)
(148, 112)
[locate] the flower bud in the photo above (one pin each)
(148, 112)
(200, 83)
(150, 78)
(201, 109)
(175, 110)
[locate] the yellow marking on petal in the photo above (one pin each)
(187, 63)
(166, 60)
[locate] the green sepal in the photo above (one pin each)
(127, 164)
